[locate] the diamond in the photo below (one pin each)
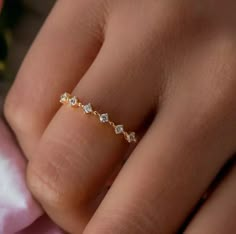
(131, 137)
(104, 118)
(119, 129)
(87, 108)
(73, 101)
(64, 98)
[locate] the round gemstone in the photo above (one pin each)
(104, 118)
(88, 108)
(119, 129)
(73, 101)
(64, 98)
(131, 137)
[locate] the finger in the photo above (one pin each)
(77, 153)
(64, 49)
(218, 213)
(166, 174)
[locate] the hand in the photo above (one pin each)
(166, 69)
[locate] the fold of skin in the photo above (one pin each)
(18, 210)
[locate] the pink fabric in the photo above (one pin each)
(19, 213)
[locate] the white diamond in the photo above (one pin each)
(119, 129)
(104, 118)
(64, 98)
(131, 137)
(73, 101)
(88, 108)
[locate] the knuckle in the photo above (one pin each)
(10, 109)
(54, 179)
(44, 190)
(107, 226)
(178, 17)
(121, 221)
(19, 116)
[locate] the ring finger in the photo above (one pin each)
(76, 153)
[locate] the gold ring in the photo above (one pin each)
(74, 102)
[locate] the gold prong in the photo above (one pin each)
(74, 102)
(96, 113)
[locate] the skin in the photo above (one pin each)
(166, 69)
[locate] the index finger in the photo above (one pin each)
(55, 63)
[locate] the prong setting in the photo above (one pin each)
(74, 102)
(64, 98)
(88, 108)
(104, 118)
(131, 137)
(119, 129)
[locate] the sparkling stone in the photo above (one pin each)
(104, 118)
(119, 129)
(73, 101)
(131, 137)
(64, 98)
(88, 108)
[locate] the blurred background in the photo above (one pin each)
(20, 21)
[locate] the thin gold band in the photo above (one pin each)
(74, 102)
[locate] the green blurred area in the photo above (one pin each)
(10, 15)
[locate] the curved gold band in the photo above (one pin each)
(74, 102)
